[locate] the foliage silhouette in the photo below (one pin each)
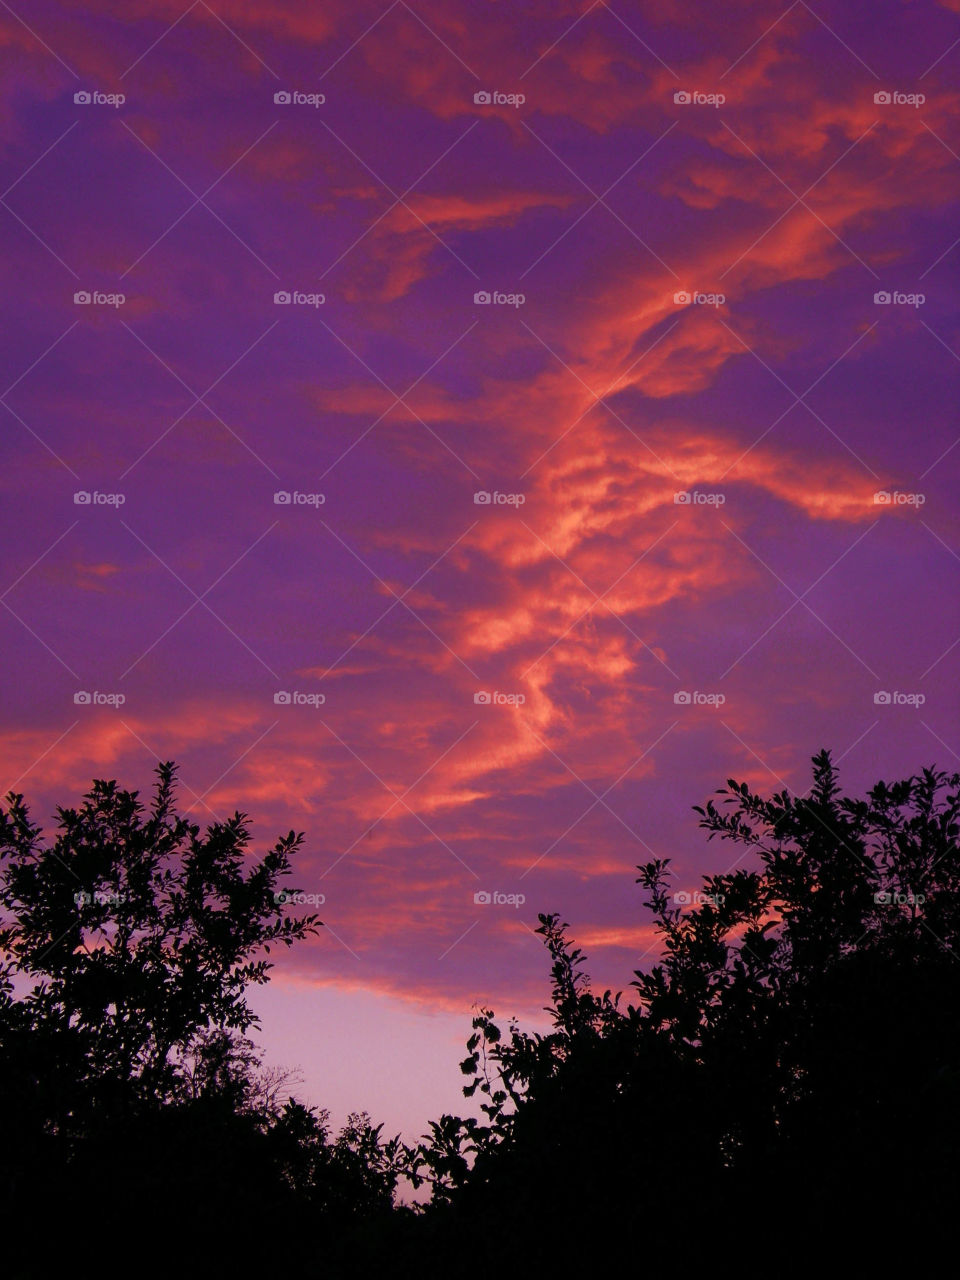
(798, 1033)
(125, 953)
(786, 1070)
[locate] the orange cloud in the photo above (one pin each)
(404, 241)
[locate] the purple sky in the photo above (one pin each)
(781, 397)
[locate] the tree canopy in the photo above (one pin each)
(786, 1065)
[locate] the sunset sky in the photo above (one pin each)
(684, 398)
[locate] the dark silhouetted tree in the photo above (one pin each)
(788, 1070)
(138, 933)
(134, 1104)
(789, 1066)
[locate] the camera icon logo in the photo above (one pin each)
(282, 699)
(482, 699)
(280, 897)
(682, 96)
(282, 98)
(81, 698)
(81, 498)
(682, 499)
(882, 299)
(682, 698)
(282, 299)
(481, 498)
(82, 298)
(882, 98)
(82, 898)
(882, 498)
(82, 97)
(882, 698)
(281, 498)
(682, 899)
(682, 298)
(482, 298)
(482, 898)
(482, 98)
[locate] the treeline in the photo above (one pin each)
(787, 1071)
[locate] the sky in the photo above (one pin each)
(469, 433)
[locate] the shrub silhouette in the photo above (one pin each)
(786, 1071)
(137, 1109)
(789, 1065)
